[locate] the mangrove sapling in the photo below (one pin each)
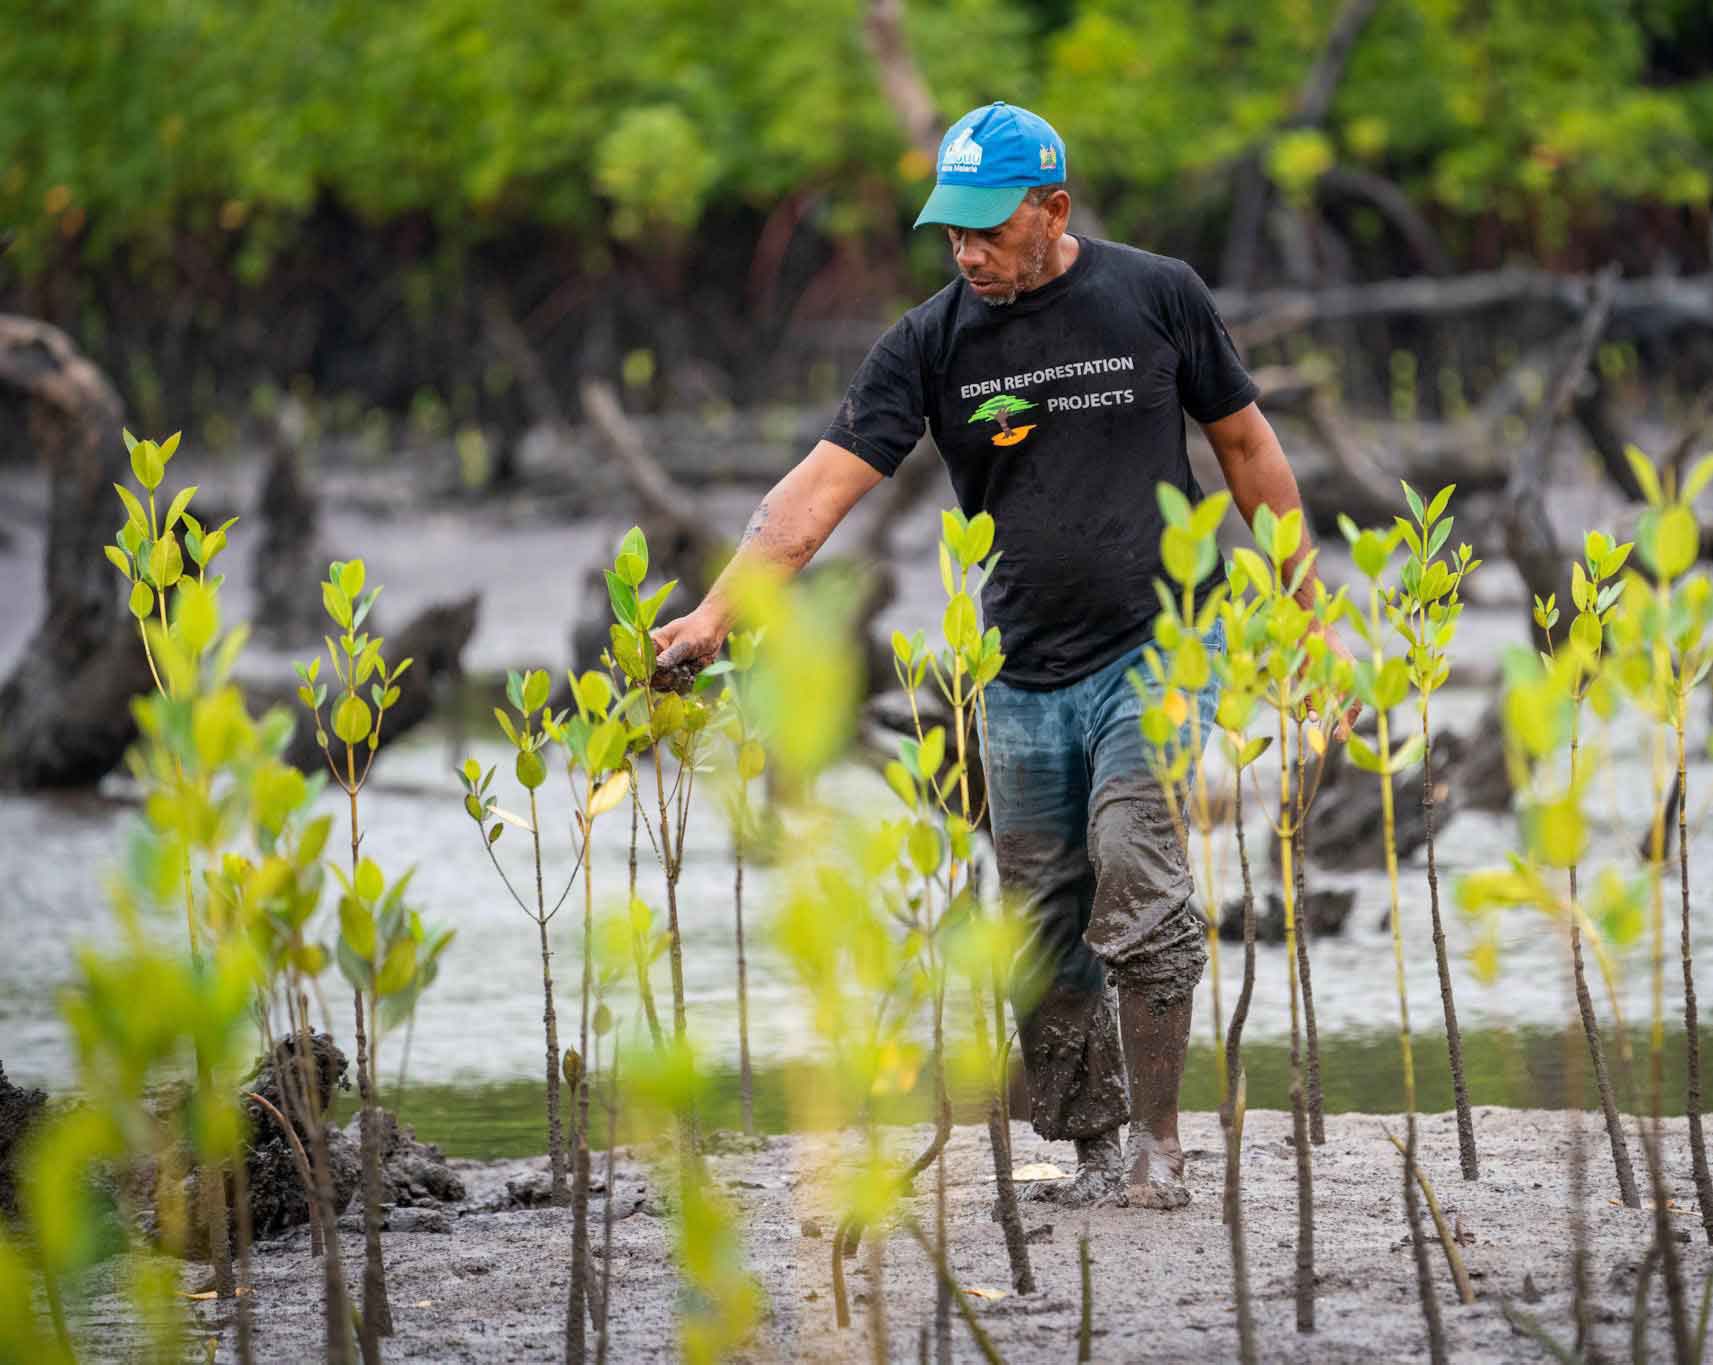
(1239, 673)
(1425, 613)
(1595, 593)
(1295, 650)
(972, 659)
(1382, 684)
(528, 697)
(749, 761)
(1323, 695)
(147, 552)
(596, 743)
(389, 958)
(722, 1303)
(1667, 542)
(355, 660)
(669, 720)
(1541, 707)
(1691, 605)
(1180, 668)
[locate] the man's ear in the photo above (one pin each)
(1058, 208)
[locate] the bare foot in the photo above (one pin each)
(1154, 1172)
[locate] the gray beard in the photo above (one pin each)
(1034, 266)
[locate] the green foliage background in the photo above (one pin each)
(128, 122)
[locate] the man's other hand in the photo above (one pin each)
(690, 640)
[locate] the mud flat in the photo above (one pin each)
(471, 1283)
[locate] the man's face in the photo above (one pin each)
(999, 263)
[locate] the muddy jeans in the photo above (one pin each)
(1086, 844)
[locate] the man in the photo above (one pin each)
(1055, 374)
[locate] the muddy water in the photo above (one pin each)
(479, 1035)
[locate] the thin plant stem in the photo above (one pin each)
(675, 947)
(983, 1342)
(377, 1319)
(1664, 1235)
(246, 1234)
(1231, 1110)
(639, 950)
(1085, 1321)
(1453, 1257)
(1424, 1275)
(877, 1333)
(576, 1347)
(1579, 1287)
(1691, 1016)
(607, 1209)
(560, 1194)
(1466, 1153)
(1300, 858)
(746, 1092)
(1299, 1112)
(1625, 1172)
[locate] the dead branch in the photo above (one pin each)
(1252, 191)
(1395, 207)
(1531, 543)
(1259, 316)
(665, 503)
(900, 79)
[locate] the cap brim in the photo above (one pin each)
(971, 206)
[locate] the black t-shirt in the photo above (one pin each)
(1058, 414)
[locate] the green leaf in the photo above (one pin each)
(351, 719)
(1288, 535)
(623, 598)
(925, 848)
(369, 883)
(979, 538)
(399, 968)
(610, 793)
(169, 447)
(535, 689)
(531, 771)
(1363, 755)
(506, 725)
(146, 464)
(357, 927)
(1697, 479)
(1179, 552)
(351, 578)
(142, 600)
(176, 510)
(338, 605)
(752, 760)
(1254, 569)
(133, 508)
(1646, 479)
(1437, 507)
(118, 558)
(1677, 541)
(1407, 755)
(635, 545)
(1414, 500)
(959, 624)
(932, 753)
(899, 779)
(1174, 506)
(196, 616)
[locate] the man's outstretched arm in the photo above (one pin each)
(1257, 472)
(788, 526)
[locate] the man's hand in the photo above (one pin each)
(691, 640)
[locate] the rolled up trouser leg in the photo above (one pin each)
(1068, 1030)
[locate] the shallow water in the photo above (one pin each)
(479, 1032)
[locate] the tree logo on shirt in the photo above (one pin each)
(1001, 408)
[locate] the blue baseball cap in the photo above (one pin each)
(989, 159)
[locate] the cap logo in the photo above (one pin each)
(962, 154)
(1049, 158)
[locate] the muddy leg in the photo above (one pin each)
(1155, 1044)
